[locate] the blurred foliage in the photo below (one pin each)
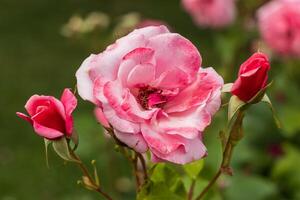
(43, 42)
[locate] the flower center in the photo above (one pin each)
(151, 98)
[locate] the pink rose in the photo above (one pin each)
(51, 118)
(152, 22)
(212, 13)
(253, 76)
(279, 25)
(150, 88)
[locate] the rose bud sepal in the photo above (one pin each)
(235, 104)
(62, 148)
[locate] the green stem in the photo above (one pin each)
(143, 162)
(87, 174)
(235, 135)
(134, 160)
(191, 190)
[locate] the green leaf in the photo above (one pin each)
(235, 104)
(267, 100)
(163, 173)
(47, 142)
(193, 169)
(164, 183)
(157, 191)
(227, 87)
(61, 147)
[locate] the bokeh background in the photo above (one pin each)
(43, 42)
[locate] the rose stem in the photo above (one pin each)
(140, 156)
(191, 191)
(134, 160)
(87, 174)
(234, 136)
(136, 173)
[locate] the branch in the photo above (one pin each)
(86, 173)
(235, 135)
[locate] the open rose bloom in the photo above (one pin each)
(279, 24)
(211, 13)
(151, 89)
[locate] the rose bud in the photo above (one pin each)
(51, 118)
(150, 87)
(253, 76)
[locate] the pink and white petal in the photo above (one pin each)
(125, 67)
(119, 123)
(124, 103)
(140, 55)
(141, 75)
(84, 81)
(98, 93)
(174, 78)
(109, 61)
(186, 132)
(46, 132)
(191, 151)
(214, 102)
(161, 142)
(173, 50)
(134, 110)
(150, 31)
(105, 64)
(155, 159)
(24, 117)
(199, 92)
(101, 117)
(196, 117)
(135, 141)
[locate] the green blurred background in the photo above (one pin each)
(43, 42)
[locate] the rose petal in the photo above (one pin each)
(70, 102)
(25, 117)
(135, 141)
(141, 75)
(173, 50)
(46, 132)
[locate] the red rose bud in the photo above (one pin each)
(51, 118)
(253, 76)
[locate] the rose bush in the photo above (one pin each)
(212, 13)
(153, 92)
(279, 25)
(253, 76)
(51, 118)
